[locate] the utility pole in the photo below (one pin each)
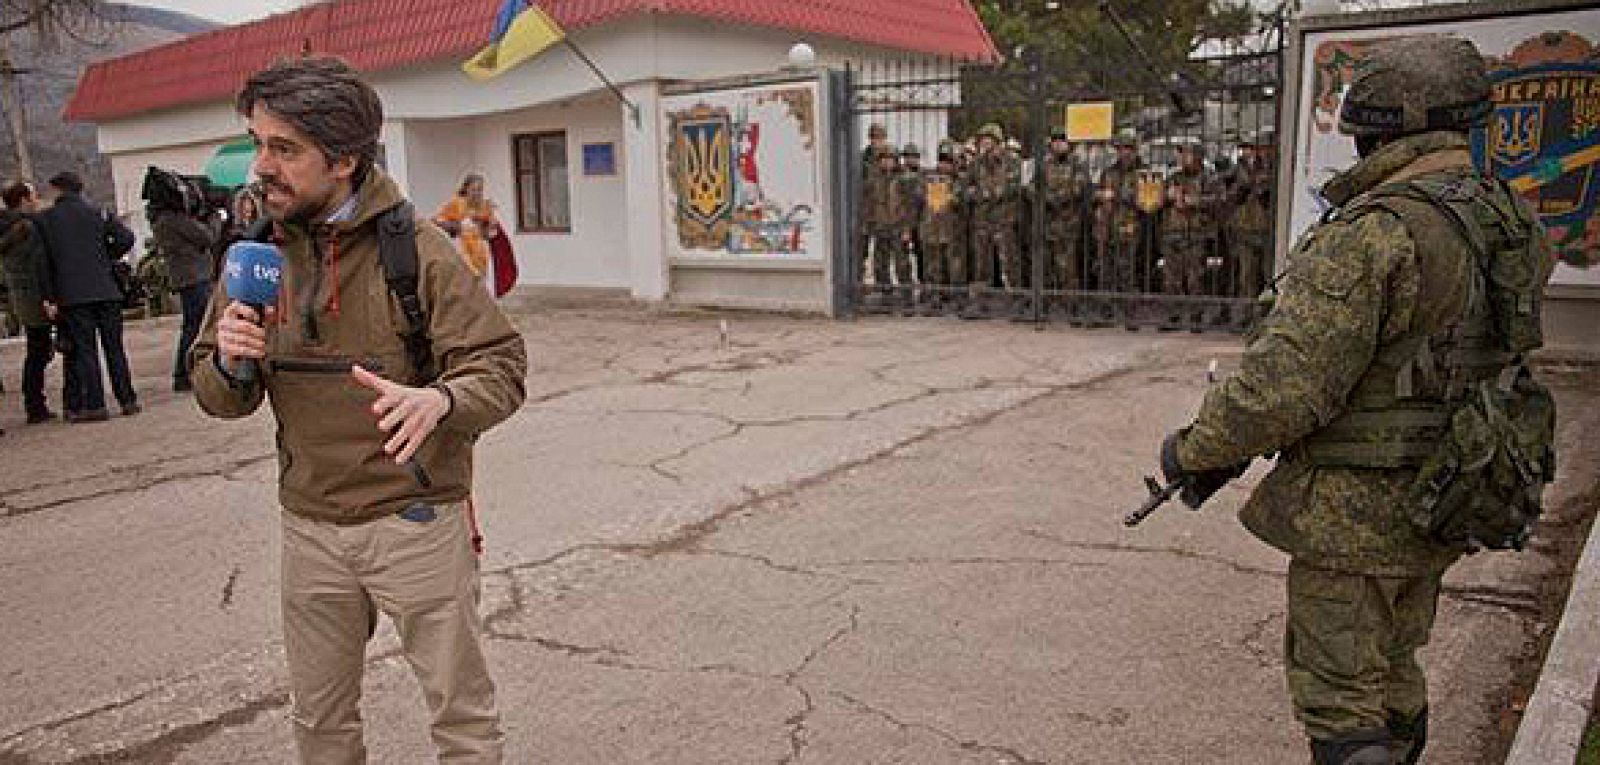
(11, 101)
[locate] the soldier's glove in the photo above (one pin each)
(1198, 486)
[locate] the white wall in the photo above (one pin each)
(595, 252)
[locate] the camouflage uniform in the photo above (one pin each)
(1189, 229)
(1250, 222)
(941, 228)
(996, 193)
(881, 225)
(1337, 354)
(1117, 221)
(1066, 188)
(909, 196)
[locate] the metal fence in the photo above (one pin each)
(1175, 233)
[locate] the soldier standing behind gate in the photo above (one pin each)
(1250, 214)
(1189, 230)
(1066, 189)
(1117, 221)
(882, 229)
(911, 196)
(942, 230)
(996, 192)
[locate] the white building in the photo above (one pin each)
(586, 190)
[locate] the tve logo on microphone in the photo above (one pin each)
(253, 272)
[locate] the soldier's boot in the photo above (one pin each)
(1371, 747)
(1021, 308)
(906, 300)
(977, 304)
(1409, 737)
(932, 303)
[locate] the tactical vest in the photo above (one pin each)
(1401, 408)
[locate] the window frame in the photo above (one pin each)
(517, 172)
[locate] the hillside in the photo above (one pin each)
(57, 145)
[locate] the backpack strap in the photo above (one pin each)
(397, 251)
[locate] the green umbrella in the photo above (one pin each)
(230, 166)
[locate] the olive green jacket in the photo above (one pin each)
(336, 309)
(1353, 286)
(24, 268)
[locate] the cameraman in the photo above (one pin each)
(186, 244)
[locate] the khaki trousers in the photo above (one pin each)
(424, 575)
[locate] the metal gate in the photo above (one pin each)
(1175, 233)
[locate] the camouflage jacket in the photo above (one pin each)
(1355, 285)
(1066, 187)
(996, 188)
(1191, 205)
(1116, 203)
(910, 196)
(877, 199)
(1250, 200)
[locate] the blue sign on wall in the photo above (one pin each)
(599, 159)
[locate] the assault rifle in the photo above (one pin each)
(1159, 495)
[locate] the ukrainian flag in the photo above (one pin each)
(521, 31)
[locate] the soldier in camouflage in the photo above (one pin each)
(942, 230)
(1341, 383)
(996, 194)
(1067, 185)
(1118, 220)
(1250, 213)
(910, 197)
(882, 229)
(1189, 228)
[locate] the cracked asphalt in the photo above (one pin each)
(884, 541)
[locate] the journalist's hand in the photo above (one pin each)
(240, 334)
(408, 414)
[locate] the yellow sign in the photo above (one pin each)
(938, 196)
(1149, 191)
(1091, 121)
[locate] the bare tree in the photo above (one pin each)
(47, 21)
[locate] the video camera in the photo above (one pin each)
(193, 195)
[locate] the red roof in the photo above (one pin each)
(374, 35)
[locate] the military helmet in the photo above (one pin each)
(877, 130)
(1058, 134)
(992, 130)
(1415, 84)
(911, 150)
(1125, 138)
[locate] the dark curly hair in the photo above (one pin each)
(324, 98)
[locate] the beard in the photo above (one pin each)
(284, 204)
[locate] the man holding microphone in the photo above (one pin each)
(374, 431)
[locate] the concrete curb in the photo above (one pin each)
(1558, 713)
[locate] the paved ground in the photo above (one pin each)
(887, 541)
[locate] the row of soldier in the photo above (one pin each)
(961, 224)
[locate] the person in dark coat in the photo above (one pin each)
(82, 242)
(186, 243)
(26, 270)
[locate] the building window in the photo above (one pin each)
(543, 201)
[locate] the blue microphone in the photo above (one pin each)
(251, 274)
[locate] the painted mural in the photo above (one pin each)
(742, 168)
(1543, 136)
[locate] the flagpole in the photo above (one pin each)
(633, 109)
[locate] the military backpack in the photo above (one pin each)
(1463, 409)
